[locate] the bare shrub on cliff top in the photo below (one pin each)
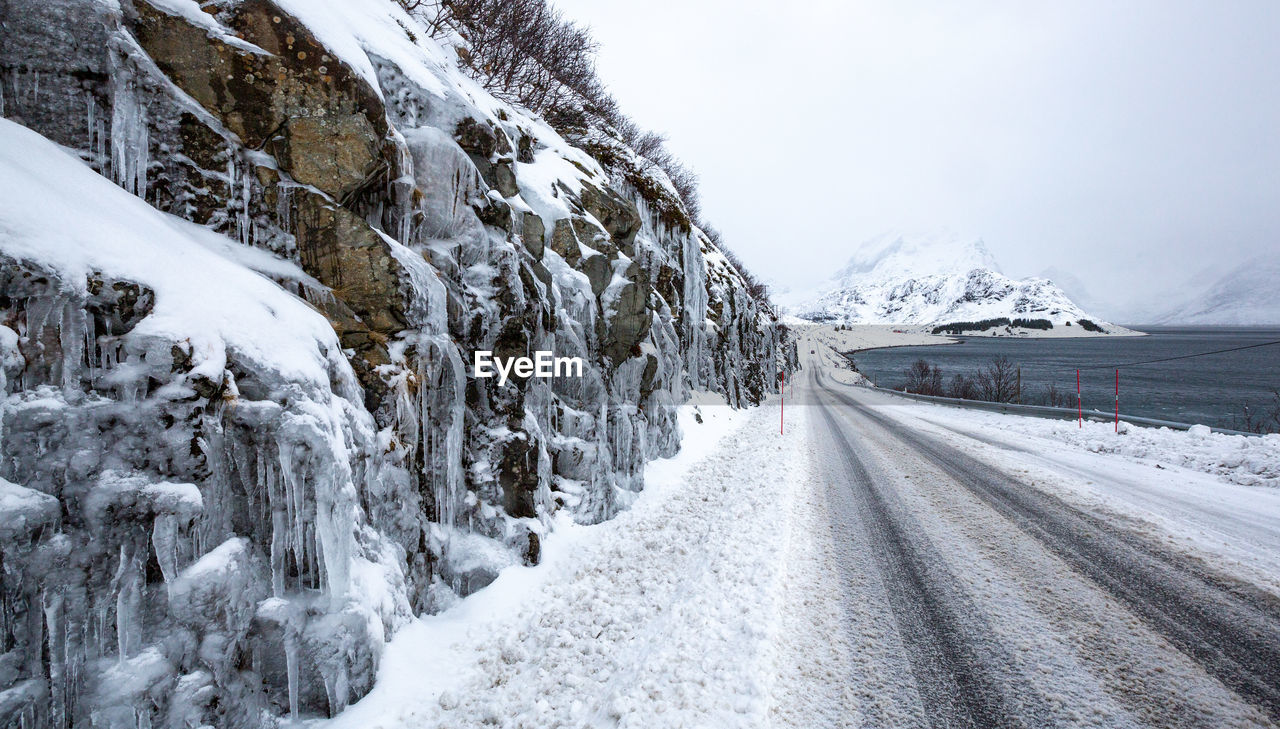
(522, 51)
(526, 52)
(756, 288)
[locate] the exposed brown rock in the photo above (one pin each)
(618, 215)
(534, 236)
(345, 254)
(599, 270)
(629, 323)
(325, 124)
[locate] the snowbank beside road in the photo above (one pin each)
(1209, 495)
(1249, 461)
(661, 617)
(1236, 459)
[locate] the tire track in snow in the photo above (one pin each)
(1094, 662)
(1231, 630)
(951, 661)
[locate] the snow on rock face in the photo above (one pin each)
(152, 365)
(240, 441)
(23, 511)
(908, 280)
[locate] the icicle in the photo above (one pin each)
(56, 649)
(291, 668)
(333, 534)
(130, 140)
(279, 527)
(128, 599)
(293, 508)
(90, 348)
(100, 634)
(71, 332)
(284, 207)
(91, 126)
(439, 423)
(400, 191)
(164, 538)
(245, 220)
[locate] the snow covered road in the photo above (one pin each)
(1014, 607)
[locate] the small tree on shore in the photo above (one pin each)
(923, 379)
(1055, 398)
(998, 382)
(1263, 418)
(962, 388)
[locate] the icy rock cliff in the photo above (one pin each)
(241, 277)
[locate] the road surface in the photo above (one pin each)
(976, 599)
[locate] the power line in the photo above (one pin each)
(1183, 356)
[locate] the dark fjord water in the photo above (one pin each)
(1208, 390)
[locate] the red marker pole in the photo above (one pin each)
(1079, 402)
(1117, 401)
(782, 410)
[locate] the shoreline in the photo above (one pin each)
(829, 345)
(1186, 376)
(839, 354)
(857, 338)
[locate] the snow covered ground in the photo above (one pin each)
(825, 343)
(1231, 459)
(1214, 496)
(662, 617)
(747, 588)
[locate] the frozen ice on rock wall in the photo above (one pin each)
(154, 576)
(237, 420)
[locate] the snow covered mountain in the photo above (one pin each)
(922, 280)
(1076, 290)
(895, 256)
(1248, 295)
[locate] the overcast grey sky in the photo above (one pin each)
(1130, 142)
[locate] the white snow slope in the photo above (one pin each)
(1248, 295)
(59, 213)
(922, 280)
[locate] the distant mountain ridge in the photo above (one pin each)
(1076, 290)
(934, 280)
(1248, 295)
(900, 256)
